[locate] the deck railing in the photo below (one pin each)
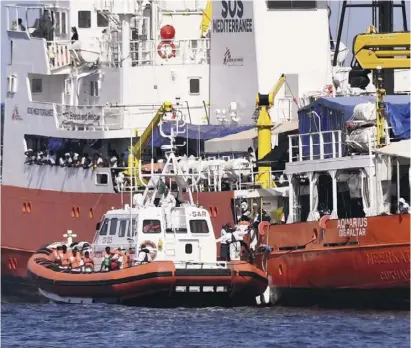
(315, 146)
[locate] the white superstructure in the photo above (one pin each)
(101, 86)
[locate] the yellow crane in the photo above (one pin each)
(378, 51)
(264, 126)
(135, 151)
(206, 18)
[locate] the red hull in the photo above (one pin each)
(33, 218)
(378, 260)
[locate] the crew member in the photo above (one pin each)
(144, 255)
(168, 203)
(224, 246)
(234, 239)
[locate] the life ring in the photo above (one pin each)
(161, 49)
(323, 221)
(262, 226)
(153, 246)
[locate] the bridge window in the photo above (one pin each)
(291, 5)
(84, 19)
(195, 86)
(199, 226)
(36, 86)
(151, 226)
(123, 228)
(113, 227)
(102, 20)
(104, 228)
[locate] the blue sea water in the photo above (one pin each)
(52, 325)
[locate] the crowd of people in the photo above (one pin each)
(77, 258)
(71, 158)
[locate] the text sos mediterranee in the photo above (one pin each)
(232, 19)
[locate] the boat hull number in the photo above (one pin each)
(107, 240)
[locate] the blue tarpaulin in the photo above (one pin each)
(203, 132)
(335, 112)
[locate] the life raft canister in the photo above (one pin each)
(153, 252)
(162, 49)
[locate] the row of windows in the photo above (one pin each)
(37, 86)
(110, 227)
(84, 20)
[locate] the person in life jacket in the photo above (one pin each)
(88, 263)
(105, 265)
(121, 258)
(144, 255)
(64, 257)
(75, 261)
(56, 255)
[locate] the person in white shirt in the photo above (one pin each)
(235, 240)
(224, 245)
(168, 203)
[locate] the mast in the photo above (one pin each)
(385, 11)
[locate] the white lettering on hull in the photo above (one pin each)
(352, 227)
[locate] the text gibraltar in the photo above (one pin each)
(235, 23)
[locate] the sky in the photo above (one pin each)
(356, 21)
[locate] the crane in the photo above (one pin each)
(135, 151)
(379, 51)
(264, 126)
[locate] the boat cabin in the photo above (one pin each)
(181, 234)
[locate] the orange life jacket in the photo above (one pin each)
(75, 261)
(64, 258)
(125, 261)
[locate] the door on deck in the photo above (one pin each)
(188, 250)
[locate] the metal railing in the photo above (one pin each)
(154, 52)
(315, 145)
(59, 53)
(210, 181)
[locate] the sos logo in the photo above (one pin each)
(232, 8)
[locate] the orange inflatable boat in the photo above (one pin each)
(159, 283)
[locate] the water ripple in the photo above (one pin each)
(50, 325)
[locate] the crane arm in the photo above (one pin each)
(385, 50)
(206, 18)
(142, 142)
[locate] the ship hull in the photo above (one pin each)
(314, 266)
(31, 218)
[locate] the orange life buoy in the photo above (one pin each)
(262, 226)
(323, 221)
(153, 252)
(162, 49)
